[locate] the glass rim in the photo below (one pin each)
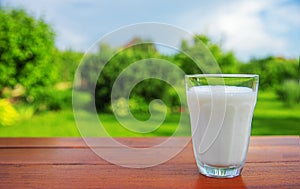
(222, 75)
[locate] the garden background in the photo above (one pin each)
(36, 80)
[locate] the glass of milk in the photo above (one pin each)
(221, 110)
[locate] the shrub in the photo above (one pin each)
(138, 106)
(84, 100)
(8, 115)
(27, 51)
(289, 92)
(54, 100)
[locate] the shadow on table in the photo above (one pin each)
(206, 182)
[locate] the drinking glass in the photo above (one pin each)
(221, 109)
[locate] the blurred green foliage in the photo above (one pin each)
(198, 52)
(26, 49)
(271, 117)
(66, 63)
(32, 69)
(35, 76)
(113, 67)
(8, 115)
(273, 71)
(289, 92)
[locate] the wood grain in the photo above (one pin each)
(164, 176)
(272, 162)
(134, 142)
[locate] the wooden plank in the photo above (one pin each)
(47, 155)
(272, 162)
(80, 143)
(132, 142)
(41, 142)
(254, 175)
(275, 141)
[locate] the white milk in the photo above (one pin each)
(221, 135)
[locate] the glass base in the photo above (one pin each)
(220, 172)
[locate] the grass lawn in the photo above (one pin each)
(271, 117)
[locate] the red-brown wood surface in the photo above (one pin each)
(272, 162)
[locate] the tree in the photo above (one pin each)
(113, 62)
(273, 71)
(208, 55)
(26, 52)
(121, 60)
(66, 63)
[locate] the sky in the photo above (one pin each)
(249, 28)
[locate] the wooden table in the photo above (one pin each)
(272, 162)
